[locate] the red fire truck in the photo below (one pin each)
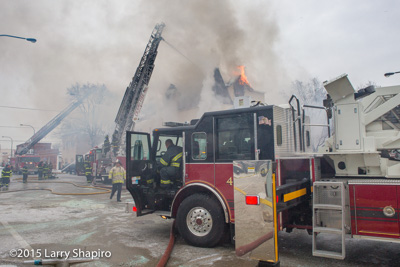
(93, 157)
(250, 172)
(101, 163)
(31, 161)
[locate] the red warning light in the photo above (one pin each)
(134, 209)
(252, 200)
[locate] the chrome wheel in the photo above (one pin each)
(199, 221)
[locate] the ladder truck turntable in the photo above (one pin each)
(250, 171)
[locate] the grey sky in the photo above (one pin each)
(101, 41)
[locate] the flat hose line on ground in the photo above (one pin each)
(106, 191)
(164, 259)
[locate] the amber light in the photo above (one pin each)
(252, 200)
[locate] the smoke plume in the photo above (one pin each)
(101, 42)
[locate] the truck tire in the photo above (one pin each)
(200, 221)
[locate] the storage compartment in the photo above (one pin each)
(374, 208)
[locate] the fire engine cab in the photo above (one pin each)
(251, 172)
(204, 189)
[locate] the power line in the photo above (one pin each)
(3, 126)
(30, 108)
(179, 52)
(6, 140)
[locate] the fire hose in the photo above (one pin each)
(167, 253)
(164, 259)
(240, 251)
(105, 190)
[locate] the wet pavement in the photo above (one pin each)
(91, 225)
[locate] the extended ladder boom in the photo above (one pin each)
(136, 91)
(24, 148)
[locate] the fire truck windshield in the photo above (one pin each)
(29, 159)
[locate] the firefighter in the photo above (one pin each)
(169, 164)
(45, 171)
(88, 171)
(40, 170)
(5, 176)
(50, 170)
(106, 145)
(114, 144)
(25, 174)
(117, 175)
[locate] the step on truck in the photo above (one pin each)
(251, 172)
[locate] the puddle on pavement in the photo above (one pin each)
(83, 203)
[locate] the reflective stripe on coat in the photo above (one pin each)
(117, 175)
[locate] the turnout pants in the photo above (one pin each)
(89, 178)
(115, 187)
(167, 176)
(24, 178)
(40, 175)
(6, 182)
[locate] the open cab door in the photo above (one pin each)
(255, 212)
(141, 171)
(79, 165)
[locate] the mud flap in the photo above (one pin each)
(255, 210)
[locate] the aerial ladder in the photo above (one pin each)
(136, 91)
(25, 147)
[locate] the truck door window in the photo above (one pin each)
(235, 137)
(199, 146)
(279, 135)
(139, 147)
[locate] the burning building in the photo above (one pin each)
(239, 86)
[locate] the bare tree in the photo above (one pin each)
(88, 122)
(312, 93)
(366, 84)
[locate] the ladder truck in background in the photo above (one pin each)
(45, 130)
(32, 160)
(251, 172)
(128, 112)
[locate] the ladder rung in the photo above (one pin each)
(318, 206)
(327, 207)
(328, 254)
(327, 230)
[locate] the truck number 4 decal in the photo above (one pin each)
(230, 181)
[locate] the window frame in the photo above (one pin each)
(250, 127)
(191, 146)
